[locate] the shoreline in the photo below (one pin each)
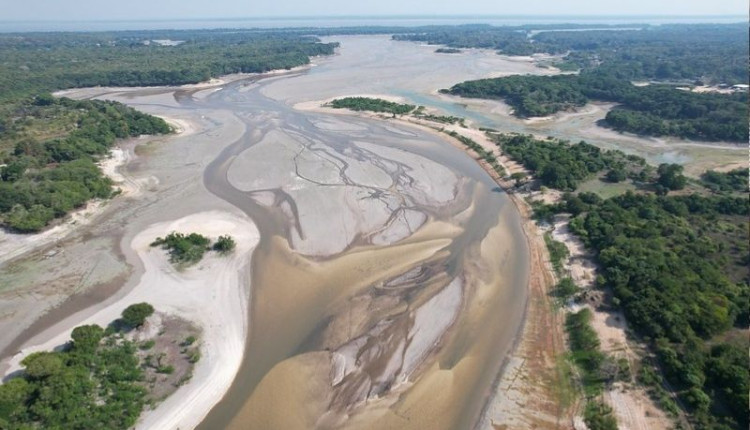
(213, 294)
(17, 245)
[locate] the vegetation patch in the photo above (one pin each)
(735, 180)
(558, 252)
(187, 249)
(561, 165)
(44, 178)
(372, 105)
(448, 51)
(98, 381)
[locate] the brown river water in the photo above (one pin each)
(390, 279)
(406, 329)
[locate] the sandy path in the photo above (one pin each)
(213, 294)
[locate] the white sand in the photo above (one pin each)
(213, 294)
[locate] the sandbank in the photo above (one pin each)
(213, 294)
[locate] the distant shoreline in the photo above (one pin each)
(323, 21)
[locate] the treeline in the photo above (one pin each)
(33, 63)
(712, 53)
(45, 179)
(655, 110)
(561, 165)
(372, 105)
(448, 51)
(676, 265)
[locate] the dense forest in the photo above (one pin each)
(560, 165)
(95, 382)
(675, 264)
(711, 53)
(669, 269)
(49, 146)
(36, 62)
(655, 110)
(608, 60)
(43, 179)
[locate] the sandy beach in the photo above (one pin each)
(213, 294)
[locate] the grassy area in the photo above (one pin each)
(558, 252)
(564, 388)
(604, 189)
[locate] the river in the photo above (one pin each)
(390, 279)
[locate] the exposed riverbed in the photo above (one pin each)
(389, 280)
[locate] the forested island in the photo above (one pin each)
(49, 146)
(675, 264)
(31, 63)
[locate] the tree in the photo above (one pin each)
(566, 288)
(224, 245)
(135, 315)
(616, 175)
(42, 364)
(671, 177)
(519, 178)
(87, 337)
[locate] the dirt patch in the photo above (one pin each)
(168, 347)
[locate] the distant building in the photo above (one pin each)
(741, 87)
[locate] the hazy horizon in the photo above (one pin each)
(93, 10)
(330, 21)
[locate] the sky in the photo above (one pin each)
(85, 10)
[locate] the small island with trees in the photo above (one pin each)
(372, 105)
(188, 249)
(448, 51)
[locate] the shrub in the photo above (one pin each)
(224, 245)
(135, 315)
